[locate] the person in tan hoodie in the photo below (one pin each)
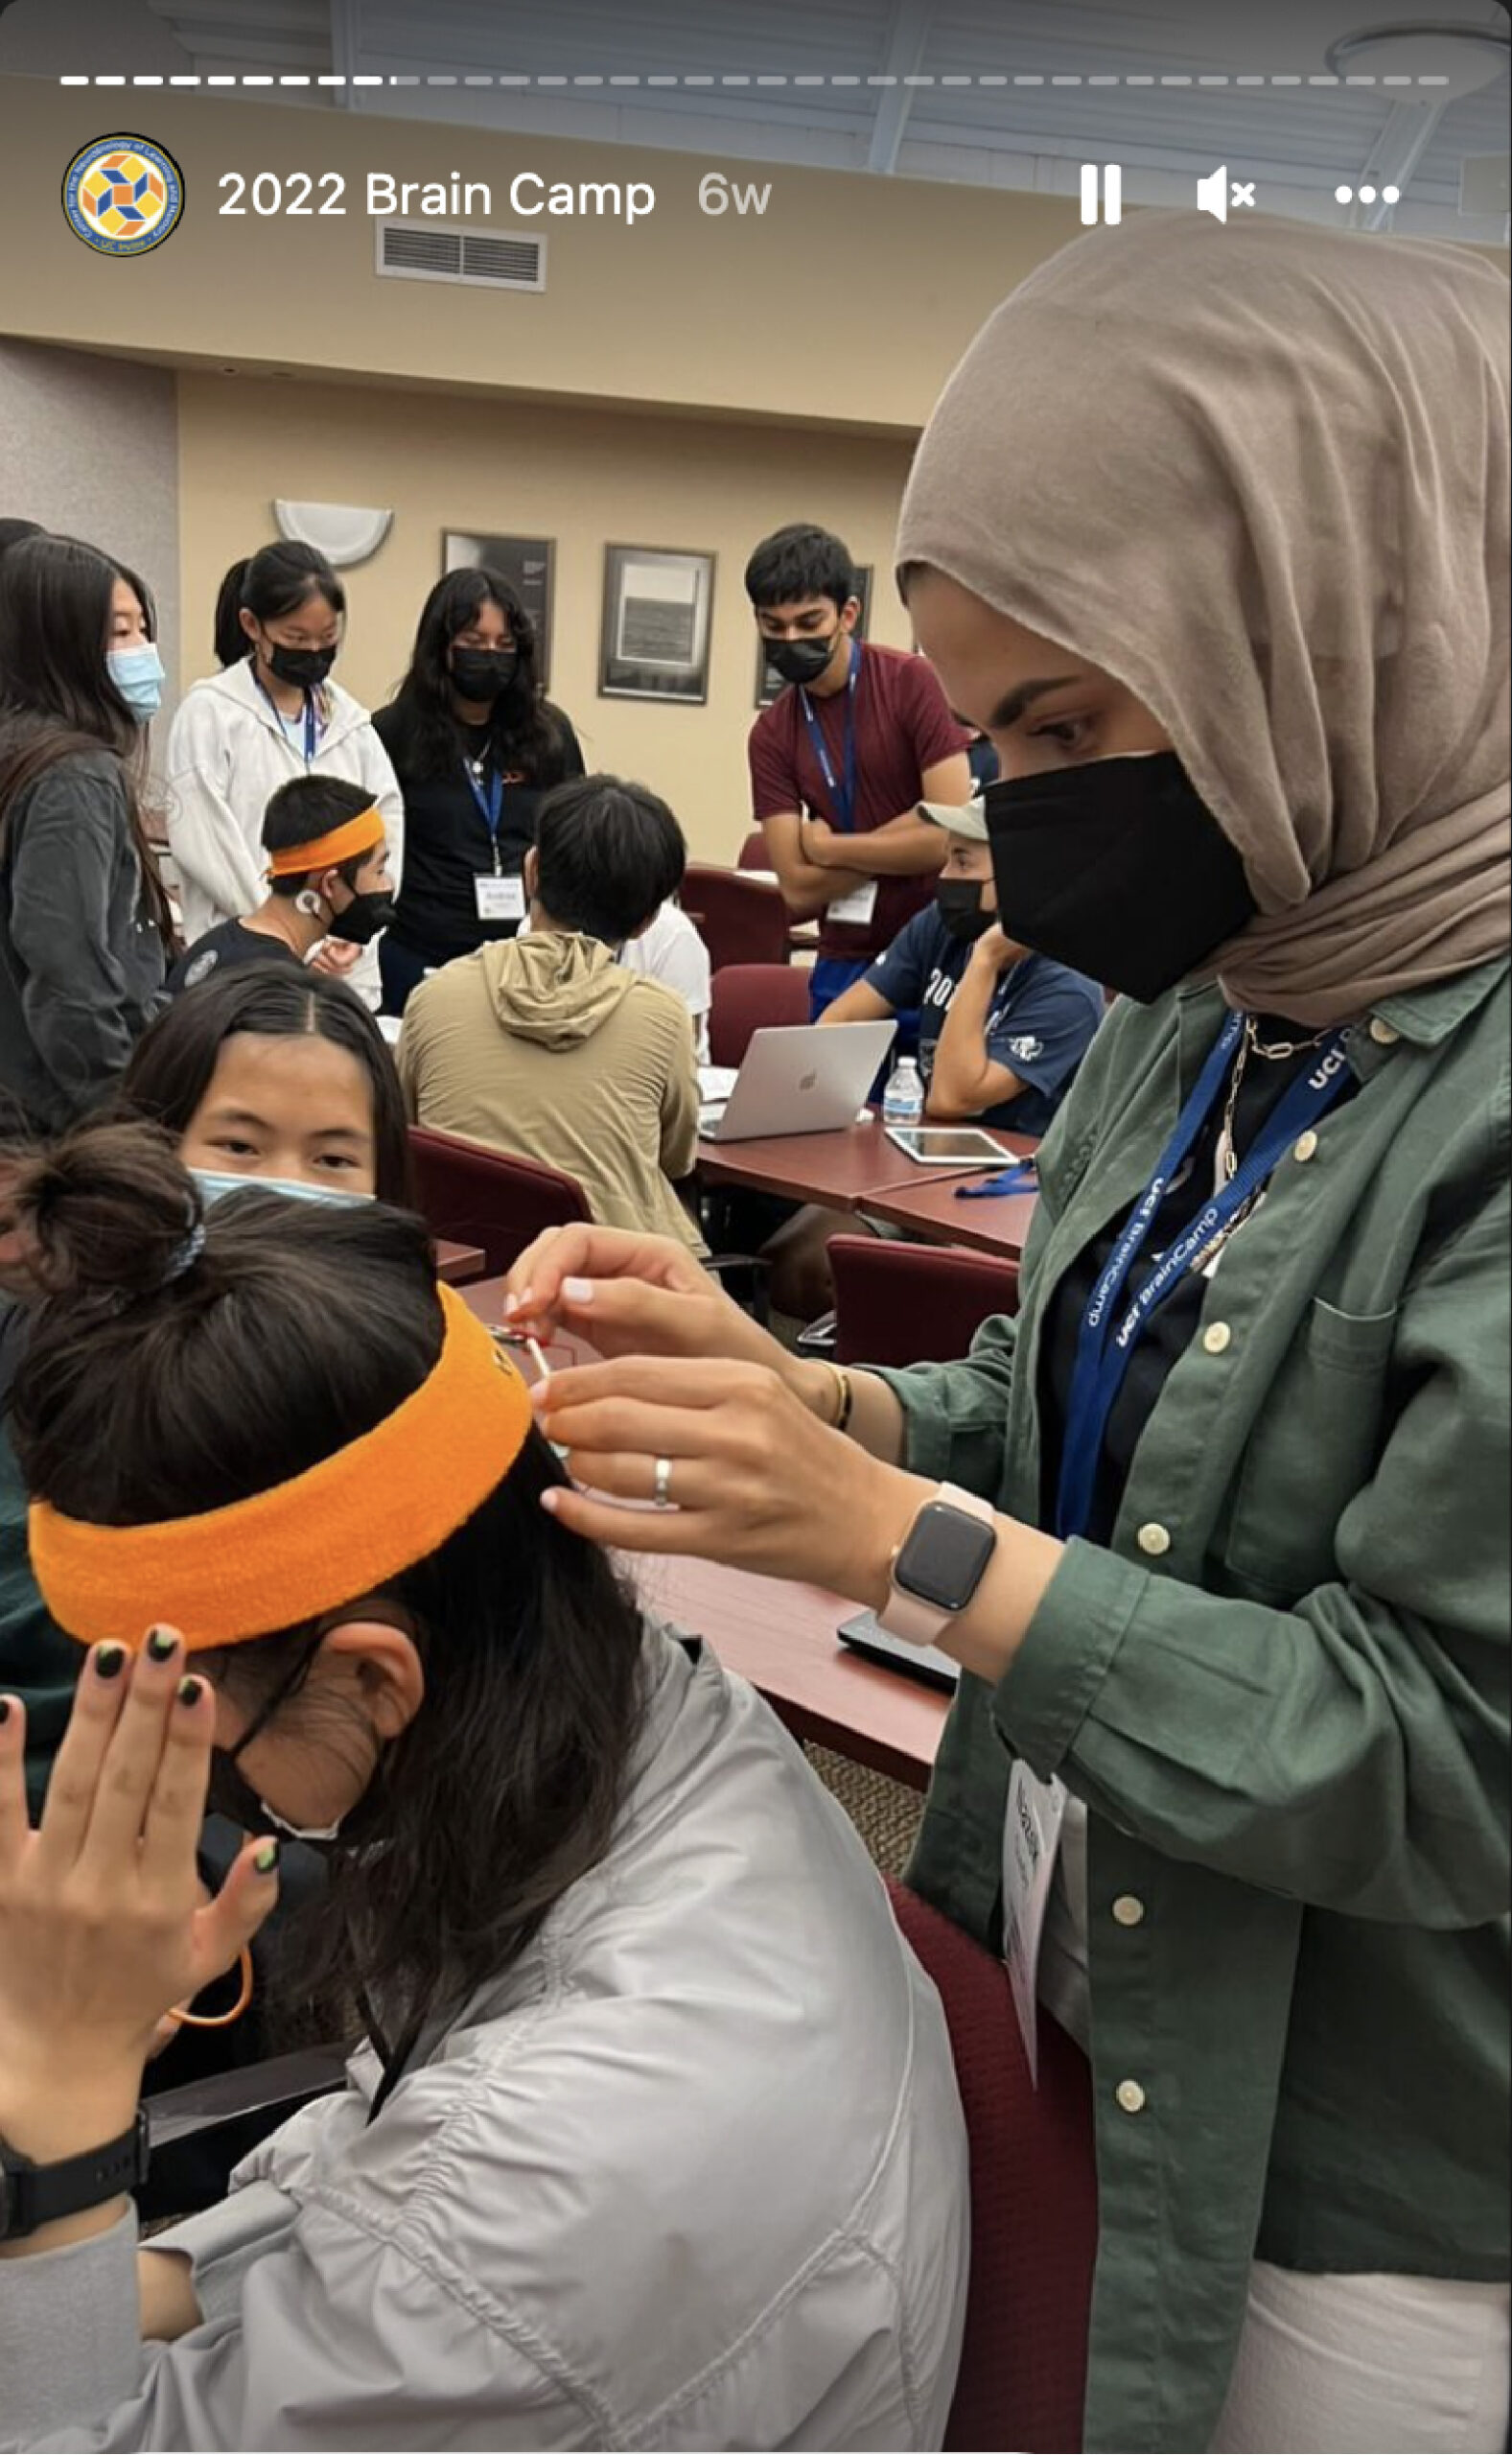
(545, 1045)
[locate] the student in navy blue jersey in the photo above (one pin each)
(1001, 1032)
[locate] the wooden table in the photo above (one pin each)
(842, 1171)
(781, 1637)
(456, 1264)
(991, 1224)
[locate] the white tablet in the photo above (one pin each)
(950, 1146)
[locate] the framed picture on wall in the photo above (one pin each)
(655, 639)
(526, 562)
(769, 682)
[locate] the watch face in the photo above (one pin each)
(945, 1555)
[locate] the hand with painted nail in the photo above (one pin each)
(103, 1923)
(631, 1295)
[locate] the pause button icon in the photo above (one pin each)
(1112, 179)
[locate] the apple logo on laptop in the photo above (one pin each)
(807, 1081)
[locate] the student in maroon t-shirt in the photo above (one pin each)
(868, 867)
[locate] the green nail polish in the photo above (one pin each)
(190, 1691)
(267, 1858)
(109, 1660)
(160, 1644)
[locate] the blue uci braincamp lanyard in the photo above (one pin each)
(312, 720)
(1108, 1335)
(842, 795)
(489, 803)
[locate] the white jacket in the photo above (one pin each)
(227, 755)
(692, 2175)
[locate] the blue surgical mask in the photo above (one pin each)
(213, 1182)
(138, 674)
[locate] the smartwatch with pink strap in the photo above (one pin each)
(938, 1566)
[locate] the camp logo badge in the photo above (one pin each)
(122, 195)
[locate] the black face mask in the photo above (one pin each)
(1118, 869)
(232, 1795)
(800, 661)
(365, 917)
(959, 905)
(483, 674)
(303, 668)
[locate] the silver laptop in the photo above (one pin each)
(799, 1078)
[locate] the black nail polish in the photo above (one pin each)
(190, 1691)
(109, 1660)
(160, 1644)
(5, 1709)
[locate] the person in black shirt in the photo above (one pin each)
(475, 746)
(328, 878)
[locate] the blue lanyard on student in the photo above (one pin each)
(312, 719)
(489, 805)
(842, 794)
(1107, 1338)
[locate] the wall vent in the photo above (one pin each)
(439, 251)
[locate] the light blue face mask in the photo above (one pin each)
(213, 1182)
(139, 675)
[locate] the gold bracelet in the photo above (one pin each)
(845, 1397)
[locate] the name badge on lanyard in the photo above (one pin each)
(499, 898)
(496, 898)
(858, 907)
(1036, 1810)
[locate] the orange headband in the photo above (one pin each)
(287, 1554)
(360, 834)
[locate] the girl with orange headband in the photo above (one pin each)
(654, 2136)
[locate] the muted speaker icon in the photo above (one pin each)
(1212, 192)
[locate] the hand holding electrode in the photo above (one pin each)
(744, 1472)
(630, 1294)
(105, 1927)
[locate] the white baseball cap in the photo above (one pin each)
(961, 818)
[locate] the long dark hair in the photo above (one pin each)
(170, 1067)
(153, 1392)
(526, 731)
(272, 583)
(56, 698)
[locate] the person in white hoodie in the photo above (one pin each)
(656, 2139)
(272, 712)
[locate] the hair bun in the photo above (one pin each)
(110, 1211)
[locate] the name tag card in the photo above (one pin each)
(499, 898)
(856, 907)
(1031, 1840)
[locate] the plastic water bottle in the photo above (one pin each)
(903, 1099)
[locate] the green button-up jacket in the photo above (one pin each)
(1282, 1692)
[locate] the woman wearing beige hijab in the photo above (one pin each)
(1209, 533)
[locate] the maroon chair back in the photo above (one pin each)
(753, 852)
(740, 920)
(748, 997)
(913, 1303)
(475, 1196)
(1022, 2382)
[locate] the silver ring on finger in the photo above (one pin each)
(662, 1483)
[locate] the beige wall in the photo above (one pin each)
(581, 477)
(797, 313)
(90, 447)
